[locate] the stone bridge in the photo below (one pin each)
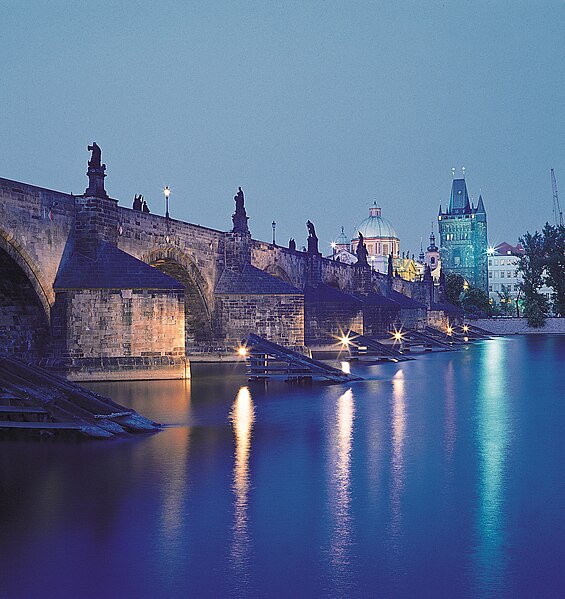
(103, 291)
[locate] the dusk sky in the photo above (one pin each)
(315, 108)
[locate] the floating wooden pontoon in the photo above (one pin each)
(267, 360)
(426, 340)
(33, 399)
(480, 332)
(365, 346)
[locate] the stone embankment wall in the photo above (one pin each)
(519, 326)
(279, 318)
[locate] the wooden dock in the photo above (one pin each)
(267, 360)
(361, 346)
(36, 401)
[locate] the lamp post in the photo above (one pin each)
(167, 193)
(274, 225)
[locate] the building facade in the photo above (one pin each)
(463, 237)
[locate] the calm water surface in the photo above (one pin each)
(441, 477)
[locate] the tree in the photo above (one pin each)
(454, 285)
(505, 300)
(476, 301)
(554, 249)
(531, 265)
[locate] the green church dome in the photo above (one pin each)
(375, 225)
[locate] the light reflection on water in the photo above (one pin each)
(397, 464)
(311, 491)
(340, 442)
(494, 432)
(242, 416)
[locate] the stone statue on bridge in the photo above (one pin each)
(292, 245)
(239, 217)
(312, 239)
(362, 252)
(389, 268)
(95, 173)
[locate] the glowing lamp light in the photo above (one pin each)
(449, 330)
(465, 328)
(242, 351)
(333, 245)
(490, 251)
(465, 339)
(167, 193)
(345, 341)
(398, 336)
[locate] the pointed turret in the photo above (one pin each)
(459, 199)
(439, 213)
(480, 206)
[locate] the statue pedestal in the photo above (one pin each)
(96, 182)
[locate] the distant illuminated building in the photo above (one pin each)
(463, 237)
(380, 239)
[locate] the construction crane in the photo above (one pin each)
(557, 214)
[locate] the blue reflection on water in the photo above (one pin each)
(440, 477)
(494, 433)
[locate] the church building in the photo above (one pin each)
(463, 237)
(380, 239)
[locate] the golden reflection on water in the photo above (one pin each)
(341, 440)
(398, 437)
(493, 436)
(171, 449)
(242, 416)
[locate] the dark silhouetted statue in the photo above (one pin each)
(361, 252)
(389, 267)
(312, 239)
(95, 173)
(137, 202)
(292, 245)
(239, 217)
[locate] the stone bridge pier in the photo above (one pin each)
(100, 291)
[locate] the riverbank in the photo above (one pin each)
(519, 326)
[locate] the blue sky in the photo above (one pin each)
(315, 108)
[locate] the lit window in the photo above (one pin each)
(508, 274)
(502, 262)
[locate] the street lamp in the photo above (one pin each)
(167, 193)
(274, 225)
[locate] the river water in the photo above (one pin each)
(440, 477)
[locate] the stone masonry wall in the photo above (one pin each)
(110, 323)
(378, 320)
(278, 318)
(519, 326)
(326, 322)
(35, 225)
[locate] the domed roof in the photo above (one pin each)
(342, 238)
(376, 225)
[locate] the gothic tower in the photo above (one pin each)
(463, 237)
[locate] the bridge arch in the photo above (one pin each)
(17, 253)
(277, 271)
(333, 281)
(24, 303)
(197, 313)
